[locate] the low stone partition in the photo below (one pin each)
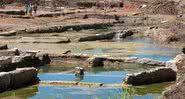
(17, 78)
(108, 36)
(94, 61)
(157, 75)
(78, 27)
(81, 84)
(101, 61)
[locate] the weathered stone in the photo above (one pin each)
(44, 40)
(136, 60)
(172, 64)
(6, 63)
(180, 63)
(17, 78)
(97, 37)
(10, 33)
(24, 60)
(9, 52)
(12, 12)
(177, 91)
(161, 74)
(4, 81)
(22, 76)
(107, 36)
(3, 47)
(33, 52)
(30, 60)
(68, 27)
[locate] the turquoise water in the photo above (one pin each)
(112, 77)
(95, 51)
(106, 74)
(151, 49)
(162, 53)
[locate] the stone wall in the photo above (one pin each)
(157, 75)
(101, 61)
(17, 78)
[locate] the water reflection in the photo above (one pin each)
(152, 50)
(23, 93)
(56, 92)
(79, 78)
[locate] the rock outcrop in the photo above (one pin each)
(157, 75)
(177, 91)
(17, 78)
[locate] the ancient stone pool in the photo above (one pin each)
(131, 47)
(97, 75)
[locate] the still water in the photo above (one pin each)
(107, 75)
